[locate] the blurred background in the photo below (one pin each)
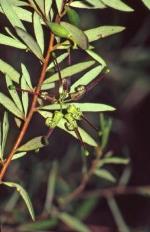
(126, 87)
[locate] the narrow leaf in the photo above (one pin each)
(77, 35)
(87, 78)
(32, 144)
(30, 42)
(73, 17)
(38, 30)
(8, 41)
(59, 5)
(146, 3)
(103, 173)
(73, 222)
(9, 70)
(96, 57)
(40, 4)
(85, 5)
(19, 155)
(11, 14)
(102, 32)
(60, 59)
(5, 131)
(48, 5)
(14, 94)
(25, 97)
(84, 107)
(1, 154)
(24, 195)
(9, 105)
(115, 160)
(26, 76)
(118, 5)
(70, 71)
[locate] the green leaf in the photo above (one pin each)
(146, 3)
(39, 225)
(115, 160)
(103, 173)
(59, 4)
(93, 4)
(73, 222)
(9, 70)
(84, 107)
(26, 76)
(24, 195)
(96, 57)
(58, 30)
(48, 86)
(8, 41)
(85, 136)
(25, 97)
(9, 105)
(1, 154)
(5, 131)
(118, 5)
(60, 59)
(73, 17)
(14, 94)
(38, 30)
(40, 4)
(70, 71)
(106, 125)
(19, 155)
(48, 5)
(77, 35)
(32, 144)
(102, 32)
(30, 42)
(11, 14)
(87, 77)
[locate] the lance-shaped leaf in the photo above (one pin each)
(9, 41)
(30, 42)
(24, 195)
(118, 5)
(105, 174)
(70, 71)
(84, 107)
(146, 3)
(19, 155)
(5, 128)
(87, 78)
(14, 94)
(25, 97)
(114, 160)
(73, 222)
(77, 35)
(59, 4)
(9, 105)
(48, 5)
(38, 30)
(85, 136)
(73, 17)
(26, 76)
(102, 32)
(11, 14)
(33, 144)
(96, 57)
(40, 4)
(1, 154)
(9, 70)
(60, 59)
(89, 4)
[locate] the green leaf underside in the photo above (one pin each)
(84, 107)
(87, 78)
(81, 4)
(85, 136)
(102, 32)
(70, 71)
(19, 155)
(60, 59)
(9, 105)
(40, 4)
(59, 5)
(103, 173)
(96, 57)
(25, 98)
(30, 42)
(77, 35)
(24, 195)
(9, 41)
(146, 3)
(14, 94)
(11, 14)
(73, 222)
(115, 160)
(48, 4)
(9, 70)
(38, 30)
(118, 5)
(26, 76)
(32, 144)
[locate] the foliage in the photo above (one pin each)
(70, 81)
